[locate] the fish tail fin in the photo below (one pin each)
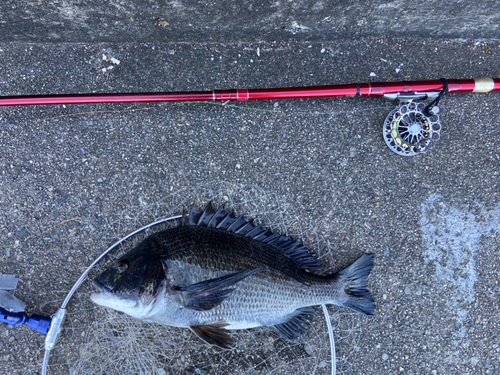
(354, 294)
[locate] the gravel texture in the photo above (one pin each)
(69, 173)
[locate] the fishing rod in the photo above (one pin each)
(411, 128)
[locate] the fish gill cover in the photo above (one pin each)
(96, 340)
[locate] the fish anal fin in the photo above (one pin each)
(215, 334)
(207, 294)
(298, 323)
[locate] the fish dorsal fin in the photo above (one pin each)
(221, 219)
(298, 323)
(206, 215)
(207, 294)
(192, 217)
(214, 334)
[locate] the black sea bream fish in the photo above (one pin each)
(218, 272)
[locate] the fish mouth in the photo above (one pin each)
(99, 285)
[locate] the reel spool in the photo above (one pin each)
(409, 131)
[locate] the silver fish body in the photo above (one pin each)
(217, 272)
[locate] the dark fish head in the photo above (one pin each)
(132, 283)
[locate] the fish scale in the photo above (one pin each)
(218, 272)
(220, 250)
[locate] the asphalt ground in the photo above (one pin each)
(68, 172)
(230, 21)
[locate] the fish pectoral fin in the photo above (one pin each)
(210, 293)
(299, 322)
(215, 334)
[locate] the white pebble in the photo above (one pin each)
(308, 349)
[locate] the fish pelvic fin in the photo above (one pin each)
(355, 295)
(214, 334)
(298, 322)
(208, 294)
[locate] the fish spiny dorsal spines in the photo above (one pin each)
(194, 215)
(255, 232)
(262, 236)
(221, 219)
(246, 228)
(271, 239)
(188, 218)
(184, 218)
(215, 219)
(206, 215)
(238, 223)
(226, 221)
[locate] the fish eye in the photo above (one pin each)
(122, 266)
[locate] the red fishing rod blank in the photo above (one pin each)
(359, 89)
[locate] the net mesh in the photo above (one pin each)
(97, 340)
